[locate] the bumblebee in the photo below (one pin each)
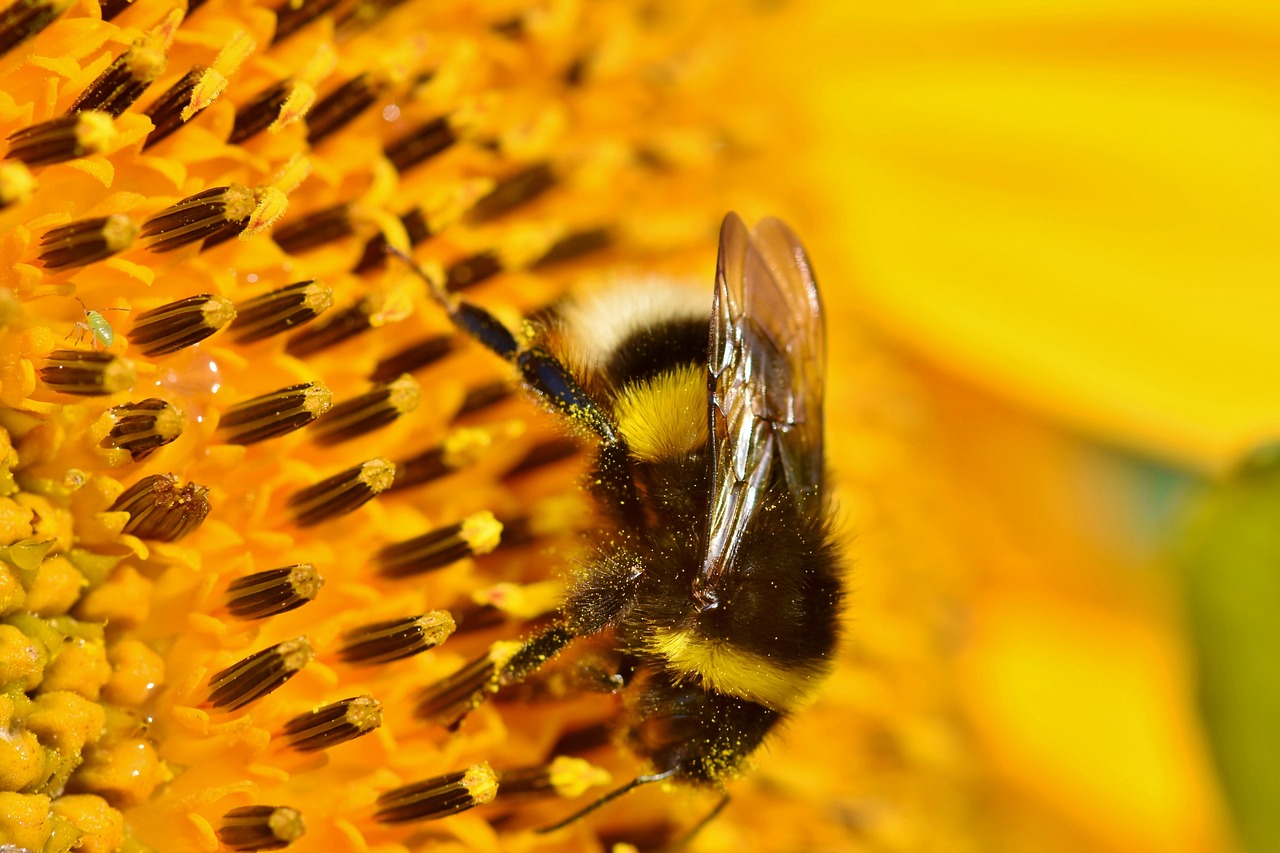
(714, 578)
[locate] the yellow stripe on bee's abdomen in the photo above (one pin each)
(665, 417)
(735, 672)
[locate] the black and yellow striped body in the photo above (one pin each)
(710, 681)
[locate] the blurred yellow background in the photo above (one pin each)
(1070, 202)
(1059, 221)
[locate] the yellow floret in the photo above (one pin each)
(81, 666)
(122, 602)
(15, 521)
(66, 720)
(136, 672)
(48, 521)
(24, 819)
(56, 587)
(7, 710)
(103, 826)
(21, 760)
(12, 595)
(126, 772)
(22, 659)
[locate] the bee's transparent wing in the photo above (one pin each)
(765, 380)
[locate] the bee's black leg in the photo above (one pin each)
(607, 798)
(451, 700)
(547, 376)
(535, 651)
(587, 610)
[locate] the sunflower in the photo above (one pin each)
(259, 502)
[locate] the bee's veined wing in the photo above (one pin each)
(765, 382)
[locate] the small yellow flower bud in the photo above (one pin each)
(24, 819)
(101, 825)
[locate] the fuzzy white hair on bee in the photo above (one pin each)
(593, 322)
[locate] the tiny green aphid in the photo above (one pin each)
(97, 326)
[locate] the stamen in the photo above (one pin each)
(461, 448)
(342, 493)
(424, 142)
(200, 216)
(169, 111)
(519, 530)
(377, 408)
(259, 674)
(341, 106)
(473, 619)
(87, 374)
(293, 15)
(439, 796)
(143, 427)
(483, 396)
(473, 270)
(280, 311)
(477, 534)
(513, 191)
(337, 328)
(198, 88)
(584, 739)
(423, 468)
(574, 246)
(260, 828)
(275, 414)
(124, 80)
(575, 73)
(333, 724)
(111, 8)
(278, 105)
(62, 139)
(86, 241)
(416, 228)
(25, 19)
(523, 601)
(181, 324)
(512, 28)
(364, 14)
(271, 204)
(273, 592)
(546, 453)
(565, 776)
(16, 184)
(315, 229)
(546, 518)
(383, 642)
(159, 510)
(451, 699)
(415, 357)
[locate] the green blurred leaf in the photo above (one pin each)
(1229, 558)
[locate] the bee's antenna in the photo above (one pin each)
(437, 289)
(608, 798)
